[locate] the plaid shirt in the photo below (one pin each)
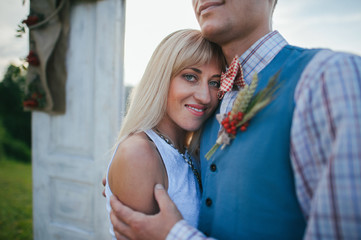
(325, 140)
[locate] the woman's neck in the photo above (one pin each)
(175, 134)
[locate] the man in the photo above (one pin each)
(296, 171)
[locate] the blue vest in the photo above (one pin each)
(249, 190)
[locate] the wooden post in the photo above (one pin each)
(71, 151)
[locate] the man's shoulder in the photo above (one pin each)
(327, 59)
(301, 51)
(327, 68)
(323, 53)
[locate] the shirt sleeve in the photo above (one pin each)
(183, 231)
(326, 146)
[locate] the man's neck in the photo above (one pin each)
(241, 45)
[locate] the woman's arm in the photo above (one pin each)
(135, 169)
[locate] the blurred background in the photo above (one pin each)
(324, 23)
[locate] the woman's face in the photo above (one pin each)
(192, 96)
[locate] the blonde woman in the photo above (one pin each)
(158, 139)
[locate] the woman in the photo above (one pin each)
(177, 93)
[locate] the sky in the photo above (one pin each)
(12, 49)
(331, 24)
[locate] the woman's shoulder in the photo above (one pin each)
(134, 171)
(137, 149)
(137, 144)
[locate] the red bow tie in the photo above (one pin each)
(233, 76)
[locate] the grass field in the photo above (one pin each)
(15, 200)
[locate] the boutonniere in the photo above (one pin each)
(245, 106)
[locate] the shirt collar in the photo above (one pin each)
(261, 53)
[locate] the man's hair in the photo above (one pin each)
(148, 101)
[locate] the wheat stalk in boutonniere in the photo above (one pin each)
(244, 108)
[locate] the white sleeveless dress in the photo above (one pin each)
(183, 187)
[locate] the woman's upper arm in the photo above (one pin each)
(135, 170)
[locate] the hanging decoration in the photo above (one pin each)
(48, 25)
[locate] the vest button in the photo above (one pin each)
(208, 202)
(213, 167)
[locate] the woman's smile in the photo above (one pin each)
(196, 109)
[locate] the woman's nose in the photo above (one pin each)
(202, 93)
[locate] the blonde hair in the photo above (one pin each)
(148, 101)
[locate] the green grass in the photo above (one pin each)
(15, 200)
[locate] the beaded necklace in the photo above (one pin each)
(187, 158)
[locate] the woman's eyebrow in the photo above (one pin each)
(196, 70)
(199, 71)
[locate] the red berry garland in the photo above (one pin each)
(30, 103)
(230, 123)
(33, 59)
(35, 97)
(31, 20)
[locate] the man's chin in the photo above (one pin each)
(211, 33)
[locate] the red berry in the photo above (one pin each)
(33, 59)
(30, 103)
(31, 20)
(240, 116)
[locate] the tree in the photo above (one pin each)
(15, 124)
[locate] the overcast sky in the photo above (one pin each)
(308, 23)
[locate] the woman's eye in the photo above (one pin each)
(215, 84)
(190, 77)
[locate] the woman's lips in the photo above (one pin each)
(197, 110)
